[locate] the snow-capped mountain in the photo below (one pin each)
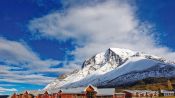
(115, 67)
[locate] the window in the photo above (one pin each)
(109, 96)
(90, 94)
(79, 96)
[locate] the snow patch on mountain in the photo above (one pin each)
(106, 68)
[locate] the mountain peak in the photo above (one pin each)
(113, 66)
(122, 52)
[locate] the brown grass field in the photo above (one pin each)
(167, 97)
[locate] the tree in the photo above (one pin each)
(170, 87)
(160, 93)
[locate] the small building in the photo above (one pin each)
(140, 94)
(167, 93)
(105, 93)
(119, 95)
(22, 95)
(79, 92)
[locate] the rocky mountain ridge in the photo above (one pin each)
(115, 67)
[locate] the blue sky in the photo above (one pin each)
(41, 39)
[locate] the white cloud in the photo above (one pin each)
(31, 78)
(6, 85)
(28, 76)
(7, 89)
(19, 54)
(100, 26)
(18, 63)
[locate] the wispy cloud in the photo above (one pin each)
(96, 27)
(7, 89)
(7, 85)
(18, 53)
(19, 64)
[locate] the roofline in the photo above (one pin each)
(104, 95)
(119, 93)
(95, 88)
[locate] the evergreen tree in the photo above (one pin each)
(160, 93)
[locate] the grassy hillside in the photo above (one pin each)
(149, 84)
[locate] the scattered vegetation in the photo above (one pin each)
(150, 84)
